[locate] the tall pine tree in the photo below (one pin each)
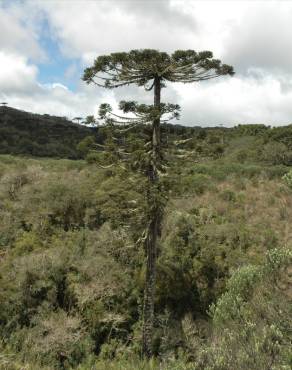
(152, 70)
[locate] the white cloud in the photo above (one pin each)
(254, 36)
(57, 99)
(16, 75)
(19, 30)
(262, 38)
(55, 85)
(236, 100)
(107, 26)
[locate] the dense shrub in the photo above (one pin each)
(72, 276)
(252, 318)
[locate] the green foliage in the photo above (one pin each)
(277, 153)
(56, 339)
(71, 262)
(198, 183)
(251, 130)
(141, 66)
(280, 134)
(85, 145)
(40, 135)
(94, 157)
(288, 178)
(252, 319)
(222, 170)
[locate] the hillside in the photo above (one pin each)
(40, 135)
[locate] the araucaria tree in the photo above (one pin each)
(152, 70)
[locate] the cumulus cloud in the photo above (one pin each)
(16, 74)
(236, 101)
(57, 99)
(262, 38)
(106, 26)
(19, 30)
(252, 36)
(165, 13)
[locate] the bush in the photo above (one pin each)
(276, 153)
(252, 318)
(56, 340)
(93, 157)
(85, 146)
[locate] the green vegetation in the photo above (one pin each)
(40, 135)
(72, 273)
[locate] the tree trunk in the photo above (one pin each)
(153, 229)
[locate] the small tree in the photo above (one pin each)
(152, 69)
(78, 119)
(84, 146)
(90, 120)
(4, 104)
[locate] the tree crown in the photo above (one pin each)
(141, 113)
(142, 67)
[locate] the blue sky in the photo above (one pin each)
(46, 44)
(57, 68)
(53, 69)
